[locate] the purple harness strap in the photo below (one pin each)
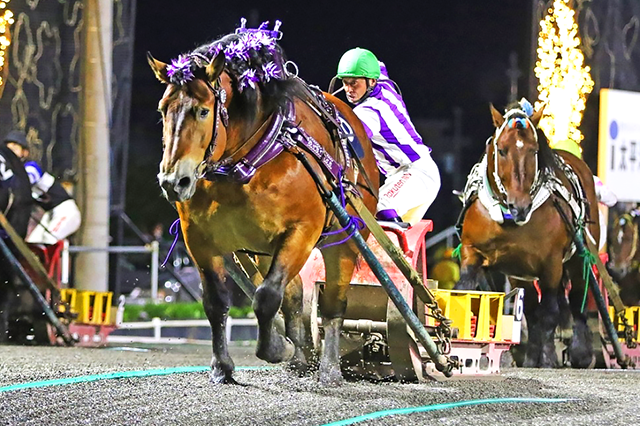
(306, 141)
(264, 151)
(282, 133)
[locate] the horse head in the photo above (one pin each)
(512, 155)
(623, 243)
(193, 107)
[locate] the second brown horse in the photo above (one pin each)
(523, 235)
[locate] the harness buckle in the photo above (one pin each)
(201, 170)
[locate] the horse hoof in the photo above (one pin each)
(298, 367)
(219, 377)
(530, 363)
(298, 364)
(584, 361)
(281, 349)
(330, 375)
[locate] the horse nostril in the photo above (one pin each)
(165, 184)
(184, 182)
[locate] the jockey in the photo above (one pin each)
(62, 216)
(412, 178)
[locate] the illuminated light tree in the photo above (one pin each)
(6, 19)
(564, 80)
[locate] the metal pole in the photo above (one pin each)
(248, 288)
(155, 250)
(443, 364)
(606, 319)
(241, 279)
(583, 251)
(33, 289)
(93, 269)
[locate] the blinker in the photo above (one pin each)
(518, 122)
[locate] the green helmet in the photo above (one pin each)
(358, 63)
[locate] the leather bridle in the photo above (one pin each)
(219, 114)
(537, 181)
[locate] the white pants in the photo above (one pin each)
(56, 224)
(411, 190)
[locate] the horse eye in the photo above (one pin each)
(502, 152)
(203, 113)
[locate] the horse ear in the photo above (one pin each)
(215, 67)
(498, 119)
(535, 118)
(159, 69)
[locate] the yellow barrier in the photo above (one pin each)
(476, 314)
(69, 295)
(92, 307)
(632, 314)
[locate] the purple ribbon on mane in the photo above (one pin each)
(175, 231)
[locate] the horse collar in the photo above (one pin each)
(262, 152)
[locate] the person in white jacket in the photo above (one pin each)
(62, 216)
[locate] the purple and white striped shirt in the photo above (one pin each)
(393, 136)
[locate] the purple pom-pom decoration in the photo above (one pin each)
(266, 41)
(179, 70)
(215, 49)
(237, 50)
(248, 79)
(271, 71)
(252, 41)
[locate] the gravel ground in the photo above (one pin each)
(276, 397)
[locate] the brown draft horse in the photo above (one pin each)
(624, 256)
(278, 215)
(535, 243)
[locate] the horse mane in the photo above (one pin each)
(274, 92)
(546, 154)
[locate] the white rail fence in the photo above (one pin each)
(152, 248)
(157, 325)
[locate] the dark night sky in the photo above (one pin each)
(442, 54)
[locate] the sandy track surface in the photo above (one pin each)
(276, 397)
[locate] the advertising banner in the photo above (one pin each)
(619, 143)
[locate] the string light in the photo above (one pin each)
(6, 19)
(564, 80)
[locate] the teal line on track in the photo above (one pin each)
(445, 406)
(116, 375)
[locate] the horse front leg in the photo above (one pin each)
(292, 310)
(272, 346)
(541, 349)
(471, 273)
(216, 299)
